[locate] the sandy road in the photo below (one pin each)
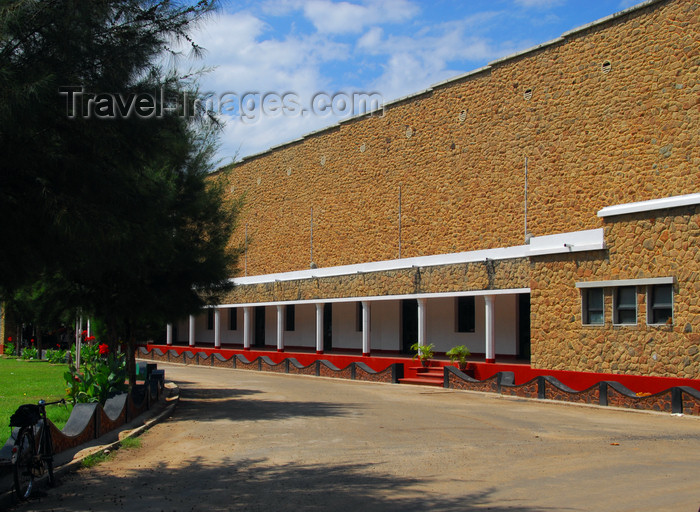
(244, 440)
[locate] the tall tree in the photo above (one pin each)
(105, 156)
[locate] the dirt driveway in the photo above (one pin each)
(245, 440)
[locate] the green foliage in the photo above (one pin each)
(459, 355)
(9, 349)
(101, 376)
(423, 352)
(56, 356)
(94, 459)
(161, 251)
(130, 443)
(22, 383)
(30, 353)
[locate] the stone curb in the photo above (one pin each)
(7, 498)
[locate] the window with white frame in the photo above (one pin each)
(625, 305)
(660, 304)
(593, 306)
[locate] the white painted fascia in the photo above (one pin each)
(520, 251)
(648, 281)
(651, 205)
(576, 241)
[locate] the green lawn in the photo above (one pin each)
(25, 382)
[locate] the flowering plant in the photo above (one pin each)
(56, 356)
(9, 347)
(30, 353)
(101, 376)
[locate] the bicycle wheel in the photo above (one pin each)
(22, 467)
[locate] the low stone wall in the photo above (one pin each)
(319, 368)
(683, 400)
(677, 400)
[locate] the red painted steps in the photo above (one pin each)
(430, 376)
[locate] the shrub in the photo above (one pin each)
(101, 376)
(56, 356)
(9, 349)
(423, 352)
(30, 353)
(459, 355)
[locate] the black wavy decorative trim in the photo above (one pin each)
(677, 400)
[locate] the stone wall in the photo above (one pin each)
(594, 135)
(665, 243)
(513, 273)
(608, 114)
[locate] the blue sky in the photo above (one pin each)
(289, 52)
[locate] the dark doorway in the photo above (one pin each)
(327, 327)
(259, 326)
(409, 324)
(524, 326)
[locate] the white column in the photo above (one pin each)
(191, 330)
(217, 328)
(319, 328)
(280, 328)
(365, 328)
(422, 327)
(247, 314)
(490, 323)
(169, 334)
(89, 329)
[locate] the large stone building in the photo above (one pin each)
(546, 206)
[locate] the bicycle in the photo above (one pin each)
(29, 458)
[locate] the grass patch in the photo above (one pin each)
(97, 458)
(27, 382)
(127, 443)
(130, 443)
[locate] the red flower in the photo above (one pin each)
(9, 339)
(90, 338)
(104, 349)
(76, 378)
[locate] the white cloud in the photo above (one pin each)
(417, 61)
(310, 46)
(345, 17)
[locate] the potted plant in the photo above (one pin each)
(459, 356)
(423, 352)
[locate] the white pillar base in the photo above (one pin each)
(490, 327)
(247, 332)
(191, 336)
(422, 324)
(319, 328)
(280, 328)
(365, 328)
(217, 328)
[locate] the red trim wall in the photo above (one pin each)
(481, 370)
